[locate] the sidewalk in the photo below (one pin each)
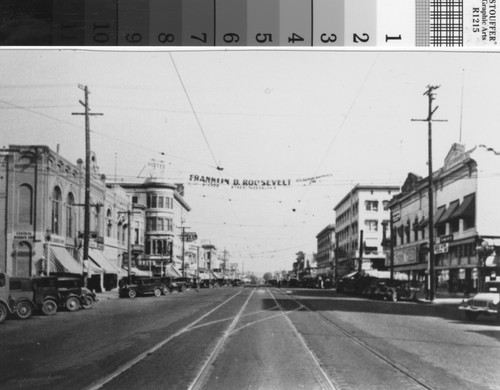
(106, 295)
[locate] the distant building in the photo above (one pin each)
(364, 209)
(325, 256)
(159, 212)
(466, 214)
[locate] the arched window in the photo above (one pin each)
(70, 215)
(25, 210)
(56, 210)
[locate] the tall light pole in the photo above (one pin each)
(86, 227)
(431, 96)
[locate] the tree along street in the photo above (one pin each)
(252, 338)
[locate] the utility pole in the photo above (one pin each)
(129, 244)
(183, 236)
(361, 250)
(431, 96)
(86, 228)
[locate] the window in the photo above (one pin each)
(371, 205)
(160, 202)
(25, 211)
(441, 229)
(385, 203)
(70, 215)
(469, 222)
(454, 225)
(56, 210)
(154, 200)
(135, 199)
(371, 225)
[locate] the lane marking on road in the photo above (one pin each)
(100, 383)
(320, 374)
(200, 379)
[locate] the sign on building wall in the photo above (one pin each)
(405, 255)
(440, 248)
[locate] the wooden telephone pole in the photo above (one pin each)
(86, 228)
(432, 277)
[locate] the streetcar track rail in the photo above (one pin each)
(401, 369)
(128, 365)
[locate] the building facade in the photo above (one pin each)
(159, 214)
(465, 222)
(41, 203)
(362, 211)
(325, 240)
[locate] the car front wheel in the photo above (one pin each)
(72, 304)
(132, 293)
(157, 292)
(88, 302)
(49, 307)
(24, 310)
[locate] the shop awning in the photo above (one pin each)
(94, 267)
(467, 208)
(217, 275)
(204, 275)
(492, 261)
(171, 271)
(98, 257)
(62, 261)
(135, 271)
(447, 213)
(423, 223)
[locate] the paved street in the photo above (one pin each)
(251, 338)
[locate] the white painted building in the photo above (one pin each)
(363, 209)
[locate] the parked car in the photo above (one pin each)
(237, 282)
(16, 297)
(485, 303)
(46, 294)
(142, 286)
(393, 290)
(184, 283)
(356, 283)
(73, 295)
(170, 285)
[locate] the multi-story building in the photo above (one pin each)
(41, 209)
(325, 256)
(362, 211)
(465, 218)
(159, 212)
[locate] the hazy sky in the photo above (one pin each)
(258, 115)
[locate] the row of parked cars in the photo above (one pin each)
(23, 296)
(378, 288)
(157, 286)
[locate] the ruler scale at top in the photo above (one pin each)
(256, 23)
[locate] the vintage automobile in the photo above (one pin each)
(73, 295)
(184, 283)
(393, 290)
(485, 303)
(142, 285)
(16, 297)
(46, 294)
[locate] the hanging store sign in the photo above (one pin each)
(440, 248)
(252, 183)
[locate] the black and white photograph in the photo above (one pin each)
(261, 219)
